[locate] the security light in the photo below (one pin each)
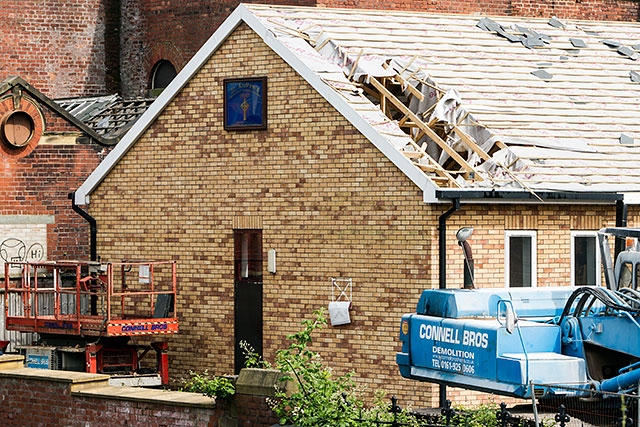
(464, 233)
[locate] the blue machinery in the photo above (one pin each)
(523, 341)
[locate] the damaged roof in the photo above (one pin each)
(461, 103)
(109, 116)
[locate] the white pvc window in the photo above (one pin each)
(585, 259)
(520, 260)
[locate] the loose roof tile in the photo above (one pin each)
(577, 42)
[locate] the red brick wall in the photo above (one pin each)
(39, 184)
(171, 30)
(60, 50)
(253, 411)
(34, 402)
(43, 398)
(576, 9)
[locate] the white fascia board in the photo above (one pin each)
(340, 104)
(195, 63)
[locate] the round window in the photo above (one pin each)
(17, 128)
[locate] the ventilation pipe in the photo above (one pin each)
(93, 229)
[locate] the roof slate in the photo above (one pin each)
(110, 116)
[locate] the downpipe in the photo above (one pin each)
(442, 248)
(442, 242)
(93, 229)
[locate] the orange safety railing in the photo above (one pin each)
(88, 298)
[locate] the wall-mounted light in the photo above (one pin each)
(463, 234)
(271, 261)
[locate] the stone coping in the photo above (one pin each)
(97, 385)
(155, 396)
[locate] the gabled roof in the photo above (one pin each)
(461, 104)
(17, 83)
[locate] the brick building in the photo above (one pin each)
(47, 150)
(92, 48)
(330, 173)
(40, 140)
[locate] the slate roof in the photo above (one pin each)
(461, 103)
(109, 116)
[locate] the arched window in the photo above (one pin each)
(163, 73)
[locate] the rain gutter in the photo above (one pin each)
(520, 196)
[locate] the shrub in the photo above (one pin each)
(321, 398)
(221, 387)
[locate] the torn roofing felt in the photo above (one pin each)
(501, 103)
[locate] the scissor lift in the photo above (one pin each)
(86, 313)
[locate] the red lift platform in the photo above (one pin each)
(86, 313)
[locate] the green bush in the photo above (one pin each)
(320, 397)
(209, 386)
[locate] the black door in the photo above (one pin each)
(248, 292)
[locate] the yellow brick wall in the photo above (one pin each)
(328, 202)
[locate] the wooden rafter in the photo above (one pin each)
(385, 94)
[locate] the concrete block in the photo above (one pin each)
(259, 382)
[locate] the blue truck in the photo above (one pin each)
(532, 341)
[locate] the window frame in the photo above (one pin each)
(585, 233)
(508, 234)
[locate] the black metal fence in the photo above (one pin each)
(453, 417)
(598, 410)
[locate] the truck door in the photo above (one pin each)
(248, 292)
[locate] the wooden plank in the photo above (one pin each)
(469, 142)
(423, 126)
